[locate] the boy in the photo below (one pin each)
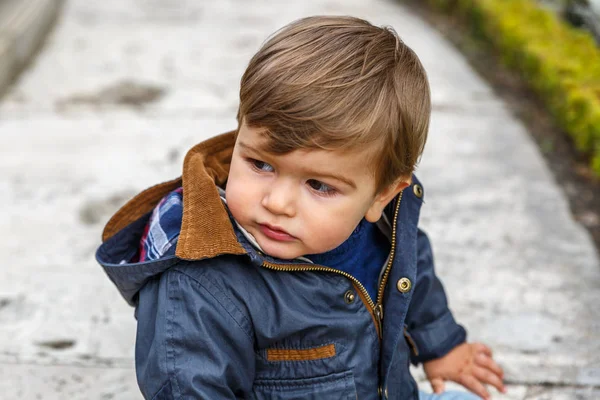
(286, 262)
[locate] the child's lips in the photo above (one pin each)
(276, 233)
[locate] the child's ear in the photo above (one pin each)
(383, 198)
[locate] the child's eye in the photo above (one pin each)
(321, 187)
(260, 165)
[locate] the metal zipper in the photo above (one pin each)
(310, 267)
(376, 309)
(379, 307)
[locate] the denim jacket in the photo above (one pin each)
(218, 319)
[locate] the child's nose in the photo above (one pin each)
(280, 198)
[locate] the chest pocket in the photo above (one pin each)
(307, 373)
(337, 386)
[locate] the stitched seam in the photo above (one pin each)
(304, 382)
(161, 389)
(201, 284)
(170, 349)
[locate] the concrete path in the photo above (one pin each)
(124, 87)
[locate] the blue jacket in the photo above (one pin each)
(218, 319)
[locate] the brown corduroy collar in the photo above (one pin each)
(206, 229)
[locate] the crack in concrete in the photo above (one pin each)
(123, 93)
(58, 344)
(95, 211)
(550, 384)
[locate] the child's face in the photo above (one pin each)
(303, 202)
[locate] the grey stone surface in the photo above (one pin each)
(124, 87)
(67, 382)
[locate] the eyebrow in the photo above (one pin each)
(340, 178)
(247, 147)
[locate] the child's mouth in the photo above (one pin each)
(275, 233)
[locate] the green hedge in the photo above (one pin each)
(561, 63)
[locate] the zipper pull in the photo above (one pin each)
(379, 316)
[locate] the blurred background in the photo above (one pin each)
(101, 100)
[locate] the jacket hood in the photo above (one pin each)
(206, 230)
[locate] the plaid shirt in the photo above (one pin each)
(162, 230)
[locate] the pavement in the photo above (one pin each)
(123, 87)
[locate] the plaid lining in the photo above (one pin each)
(162, 230)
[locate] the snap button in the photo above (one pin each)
(385, 393)
(404, 285)
(379, 391)
(349, 297)
(418, 190)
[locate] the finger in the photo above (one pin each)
(438, 385)
(482, 348)
(487, 362)
(471, 383)
(486, 376)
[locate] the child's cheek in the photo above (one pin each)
(329, 231)
(233, 197)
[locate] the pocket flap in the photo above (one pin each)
(315, 353)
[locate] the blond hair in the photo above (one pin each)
(339, 83)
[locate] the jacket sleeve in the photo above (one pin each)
(192, 341)
(430, 324)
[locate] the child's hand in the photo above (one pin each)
(469, 364)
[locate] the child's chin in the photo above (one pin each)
(278, 250)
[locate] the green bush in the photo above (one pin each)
(561, 63)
